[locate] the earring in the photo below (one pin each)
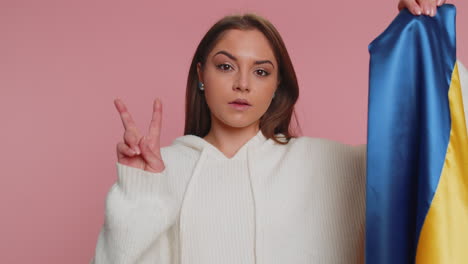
(201, 86)
(273, 95)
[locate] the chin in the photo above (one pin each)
(236, 119)
(240, 122)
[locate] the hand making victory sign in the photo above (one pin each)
(142, 152)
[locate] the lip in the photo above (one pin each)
(241, 107)
(240, 101)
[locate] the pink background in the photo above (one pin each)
(62, 63)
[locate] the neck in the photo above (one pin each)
(230, 139)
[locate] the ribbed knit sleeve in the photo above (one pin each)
(139, 212)
(361, 161)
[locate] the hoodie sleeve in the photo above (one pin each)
(361, 163)
(140, 213)
(463, 73)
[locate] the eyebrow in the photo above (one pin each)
(234, 58)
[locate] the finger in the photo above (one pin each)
(428, 7)
(155, 125)
(124, 150)
(154, 163)
(127, 119)
(424, 7)
(440, 2)
(402, 4)
(433, 6)
(132, 139)
(131, 135)
(411, 5)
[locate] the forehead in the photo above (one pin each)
(246, 44)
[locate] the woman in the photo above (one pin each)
(239, 186)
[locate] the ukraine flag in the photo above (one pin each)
(417, 144)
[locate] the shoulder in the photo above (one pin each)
(324, 152)
(325, 146)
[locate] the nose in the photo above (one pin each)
(241, 84)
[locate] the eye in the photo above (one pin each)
(263, 73)
(223, 66)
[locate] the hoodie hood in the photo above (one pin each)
(201, 145)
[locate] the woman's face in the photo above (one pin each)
(241, 65)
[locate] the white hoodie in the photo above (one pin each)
(303, 202)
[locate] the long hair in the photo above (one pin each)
(278, 116)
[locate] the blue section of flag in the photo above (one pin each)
(411, 65)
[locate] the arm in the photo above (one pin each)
(140, 210)
(361, 161)
(141, 206)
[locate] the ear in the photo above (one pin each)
(199, 72)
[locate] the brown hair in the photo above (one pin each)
(277, 118)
